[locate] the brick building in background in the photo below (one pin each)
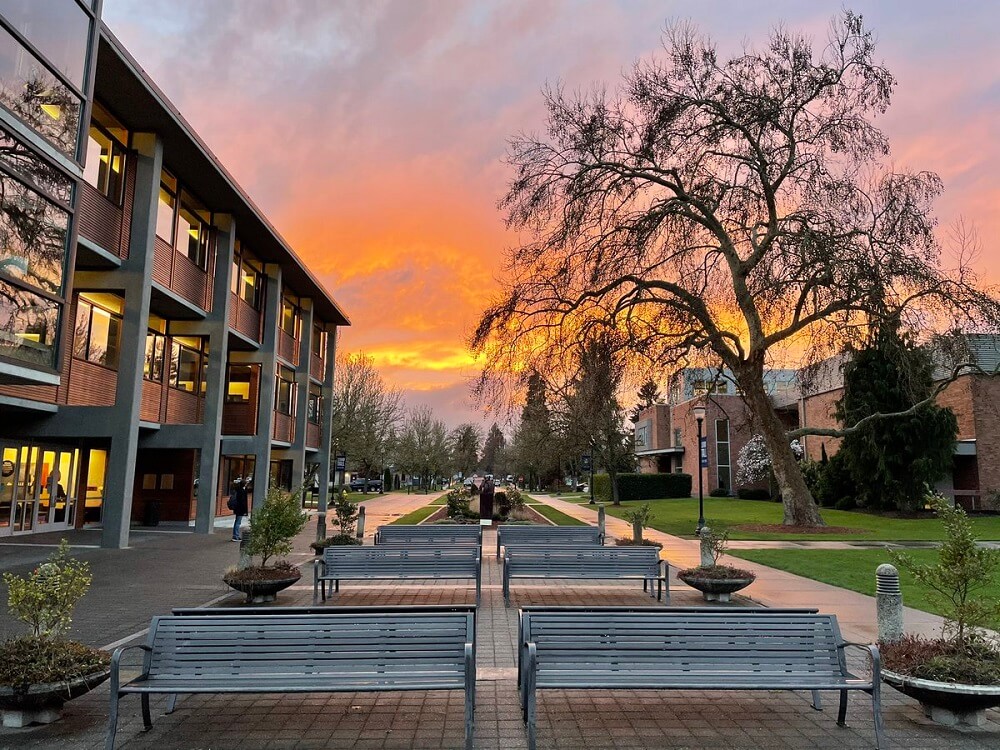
(158, 337)
(666, 441)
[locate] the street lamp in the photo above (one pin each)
(699, 416)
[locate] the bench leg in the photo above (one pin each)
(109, 743)
(880, 743)
(842, 711)
(470, 696)
(645, 584)
(817, 700)
(147, 720)
(336, 588)
(530, 717)
(172, 703)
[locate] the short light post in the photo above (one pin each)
(699, 416)
(587, 462)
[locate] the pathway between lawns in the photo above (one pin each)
(773, 588)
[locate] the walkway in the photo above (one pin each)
(773, 588)
(596, 720)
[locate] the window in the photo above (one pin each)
(319, 342)
(239, 378)
(106, 153)
(722, 454)
(248, 277)
(156, 347)
(33, 237)
(193, 231)
(187, 364)
(290, 316)
(34, 170)
(314, 412)
(59, 30)
(28, 324)
(641, 436)
(97, 337)
(165, 208)
(678, 442)
(284, 394)
(33, 93)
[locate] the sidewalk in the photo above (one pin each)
(773, 588)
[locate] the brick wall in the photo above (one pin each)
(986, 411)
(817, 411)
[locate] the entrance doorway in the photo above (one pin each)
(38, 488)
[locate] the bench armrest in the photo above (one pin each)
(116, 660)
(873, 655)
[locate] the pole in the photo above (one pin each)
(591, 479)
(701, 496)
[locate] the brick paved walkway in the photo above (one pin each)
(637, 719)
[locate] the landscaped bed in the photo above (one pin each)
(756, 519)
(852, 569)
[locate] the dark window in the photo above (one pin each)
(97, 337)
(318, 342)
(28, 326)
(59, 29)
(156, 346)
(722, 453)
(106, 154)
(34, 94)
(33, 233)
(315, 405)
(165, 208)
(239, 386)
(284, 393)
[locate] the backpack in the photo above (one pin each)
(231, 502)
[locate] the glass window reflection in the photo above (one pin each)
(59, 29)
(28, 325)
(33, 235)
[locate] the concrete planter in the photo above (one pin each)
(715, 589)
(947, 703)
(261, 592)
(42, 704)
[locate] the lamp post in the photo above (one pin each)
(699, 416)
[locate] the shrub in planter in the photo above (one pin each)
(458, 500)
(629, 542)
(716, 582)
(346, 514)
(957, 676)
(639, 518)
(272, 528)
(508, 500)
(334, 541)
(42, 670)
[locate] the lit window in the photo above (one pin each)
(193, 231)
(165, 208)
(284, 394)
(106, 153)
(240, 378)
(98, 329)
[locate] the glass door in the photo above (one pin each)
(25, 489)
(57, 472)
(8, 481)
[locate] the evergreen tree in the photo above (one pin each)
(494, 461)
(891, 461)
(465, 448)
(648, 395)
(533, 439)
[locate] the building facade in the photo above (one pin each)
(158, 337)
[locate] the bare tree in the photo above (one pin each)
(423, 448)
(740, 208)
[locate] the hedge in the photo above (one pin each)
(643, 486)
(753, 493)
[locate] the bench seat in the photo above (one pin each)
(539, 535)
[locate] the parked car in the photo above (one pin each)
(360, 484)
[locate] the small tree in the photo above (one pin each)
(346, 513)
(275, 524)
(962, 572)
(45, 598)
(639, 518)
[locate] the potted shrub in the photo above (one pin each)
(41, 671)
(459, 511)
(347, 521)
(716, 582)
(272, 527)
(955, 677)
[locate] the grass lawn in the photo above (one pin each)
(679, 516)
(854, 569)
(416, 516)
(556, 516)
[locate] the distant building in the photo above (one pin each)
(158, 337)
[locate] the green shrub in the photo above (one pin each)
(834, 487)
(643, 486)
(508, 500)
(274, 524)
(45, 598)
(719, 492)
(458, 505)
(753, 493)
(346, 513)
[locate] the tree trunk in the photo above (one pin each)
(615, 496)
(800, 508)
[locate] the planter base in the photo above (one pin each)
(16, 718)
(948, 718)
(726, 597)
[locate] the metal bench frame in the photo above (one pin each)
(576, 559)
(215, 625)
(443, 534)
(533, 653)
(397, 563)
(524, 536)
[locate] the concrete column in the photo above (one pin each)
(326, 420)
(216, 328)
(705, 547)
(298, 451)
(265, 403)
(888, 604)
(135, 274)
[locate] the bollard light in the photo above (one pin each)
(888, 604)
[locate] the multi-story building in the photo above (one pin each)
(158, 337)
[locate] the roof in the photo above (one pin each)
(125, 87)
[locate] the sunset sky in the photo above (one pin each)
(371, 131)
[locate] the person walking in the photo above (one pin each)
(238, 504)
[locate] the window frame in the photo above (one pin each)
(88, 336)
(173, 376)
(293, 303)
(229, 399)
(728, 465)
(147, 365)
(314, 405)
(116, 146)
(289, 380)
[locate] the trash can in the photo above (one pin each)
(151, 513)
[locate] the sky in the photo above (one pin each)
(371, 132)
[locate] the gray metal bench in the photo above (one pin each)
(586, 563)
(396, 563)
(525, 535)
(435, 534)
(302, 653)
(691, 649)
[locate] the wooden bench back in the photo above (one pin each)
(313, 646)
(582, 561)
(776, 646)
(443, 534)
(421, 561)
